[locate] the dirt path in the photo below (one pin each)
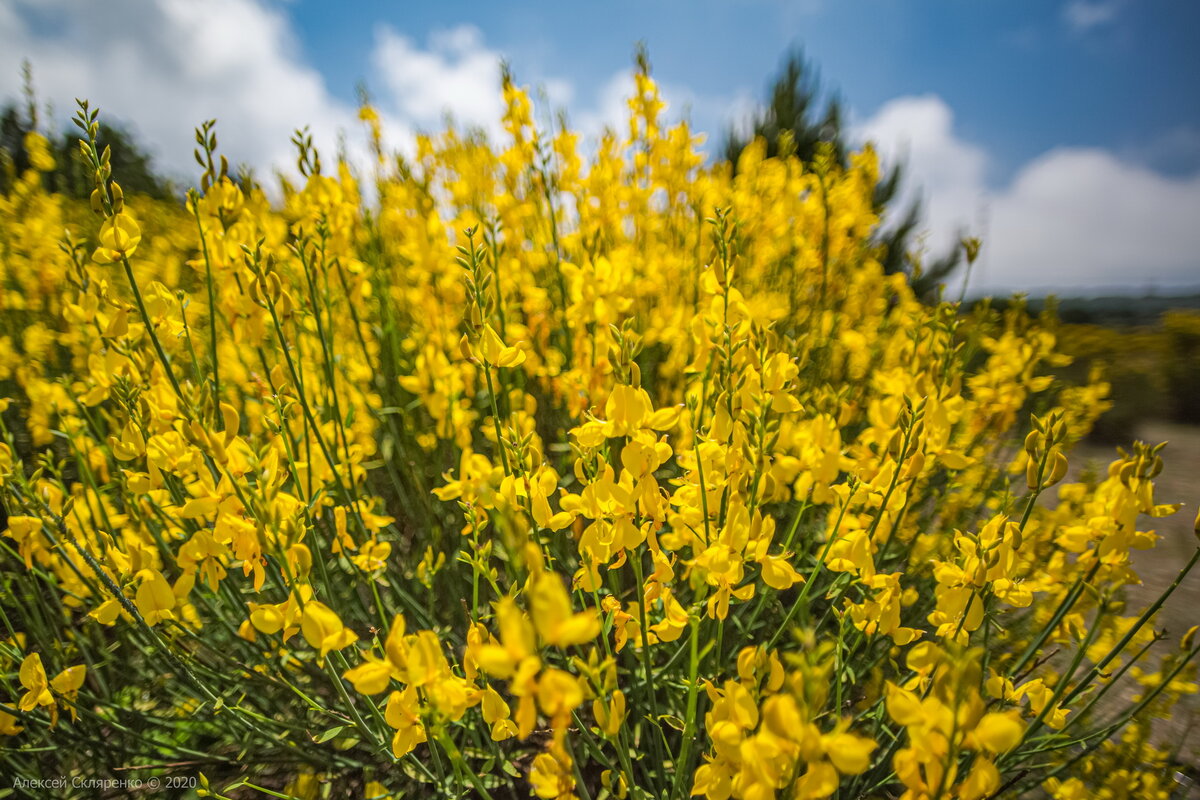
(1178, 483)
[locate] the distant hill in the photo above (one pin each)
(1111, 310)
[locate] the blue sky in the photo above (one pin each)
(1067, 132)
(1022, 77)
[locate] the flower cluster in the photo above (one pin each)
(584, 474)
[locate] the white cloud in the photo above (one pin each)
(166, 66)
(457, 74)
(1083, 218)
(1083, 15)
(610, 109)
(943, 172)
(1073, 219)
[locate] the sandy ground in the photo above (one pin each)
(1178, 483)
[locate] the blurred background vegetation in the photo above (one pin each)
(70, 177)
(1147, 348)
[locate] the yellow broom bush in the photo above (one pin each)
(537, 477)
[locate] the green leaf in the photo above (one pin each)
(329, 734)
(674, 721)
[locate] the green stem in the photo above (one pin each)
(689, 728)
(158, 348)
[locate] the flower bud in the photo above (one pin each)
(971, 247)
(1126, 472)
(1156, 467)
(1031, 474)
(1058, 470)
(1015, 536)
(464, 348)
(274, 287)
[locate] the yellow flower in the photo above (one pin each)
(496, 713)
(849, 753)
(370, 677)
(778, 573)
(818, 781)
(120, 235)
(37, 688)
(496, 354)
(8, 724)
(550, 778)
(609, 715)
(374, 790)
(516, 644)
(38, 150)
(403, 713)
(373, 556)
(982, 781)
(550, 608)
(107, 612)
(27, 531)
(999, 732)
(559, 694)
(67, 684)
(323, 629)
(154, 598)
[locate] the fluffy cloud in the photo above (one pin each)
(457, 75)
(945, 174)
(1072, 220)
(164, 66)
(167, 65)
(1082, 218)
(610, 109)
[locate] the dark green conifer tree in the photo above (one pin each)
(795, 109)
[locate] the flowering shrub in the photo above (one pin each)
(626, 480)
